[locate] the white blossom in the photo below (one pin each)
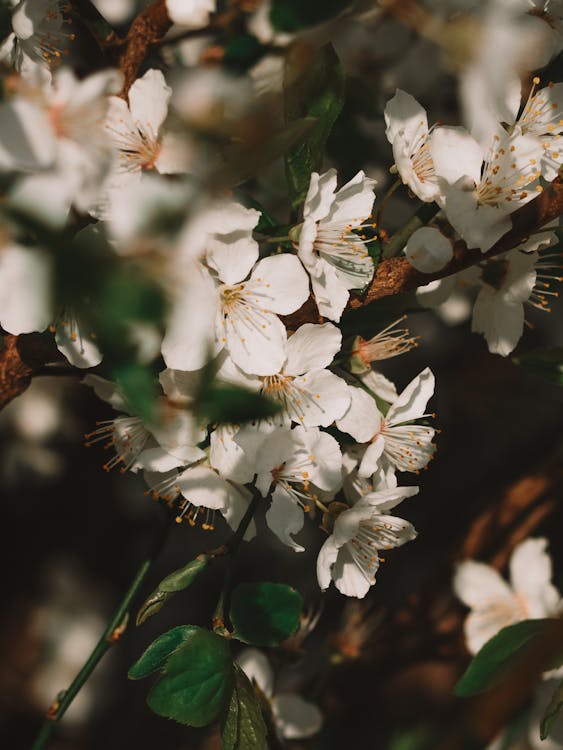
(495, 604)
(350, 556)
(334, 255)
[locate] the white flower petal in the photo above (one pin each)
(257, 668)
(320, 195)
(25, 289)
(411, 404)
(78, 347)
(326, 559)
(280, 284)
(353, 202)
(230, 249)
(362, 419)
(455, 154)
(428, 250)
(148, 100)
(295, 717)
(312, 347)
(285, 518)
(404, 116)
(476, 583)
(530, 575)
(324, 398)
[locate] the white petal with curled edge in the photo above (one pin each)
(279, 283)
(476, 583)
(148, 101)
(455, 153)
(230, 249)
(530, 574)
(371, 458)
(285, 518)
(320, 195)
(353, 202)
(107, 391)
(428, 250)
(237, 505)
(257, 668)
(501, 323)
(227, 456)
(203, 487)
(386, 499)
(331, 295)
(349, 578)
(323, 454)
(25, 289)
(76, 345)
(312, 347)
(362, 418)
(324, 398)
(326, 559)
(405, 116)
(380, 385)
(295, 717)
(156, 459)
(411, 404)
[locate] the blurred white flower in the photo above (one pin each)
(495, 604)
(295, 718)
(428, 250)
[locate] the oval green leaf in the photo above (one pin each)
(493, 661)
(265, 614)
(243, 727)
(183, 577)
(196, 682)
(159, 650)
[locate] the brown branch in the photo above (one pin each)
(396, 275)
(20, 358)
(148, 28)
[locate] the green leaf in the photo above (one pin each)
(243, 51)
(151, 606)
(247, 160)
(546, 363)
(313, 87)
(139, 388)
(292, 15)
(552, 711)
(497, 656)
(264, 614)
(243, 727)
(183, 577)
(233, 404)
(176, 581)
(159, 650)
(196, 682)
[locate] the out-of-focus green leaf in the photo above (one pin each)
(242, 726)
(546, 363)
(247, 161)
(155, 655)
(498, 655)
(196, 682)
(232, 404)
(313, 87)
(265, 614)
(292, 15)
(552, 711)
(242, 52)
(139, 388)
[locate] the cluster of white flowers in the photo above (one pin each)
(477, 188)
(77, 146)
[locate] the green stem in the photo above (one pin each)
(111, 635)
(399, 239)
(230, 548)
(395, 186)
